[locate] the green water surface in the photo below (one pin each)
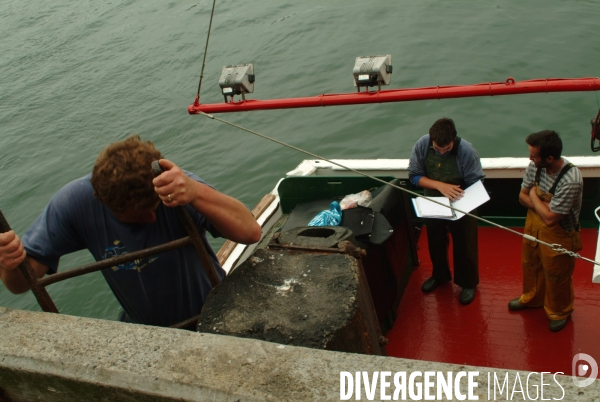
(77, 75)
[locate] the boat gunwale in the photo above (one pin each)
(494, 168)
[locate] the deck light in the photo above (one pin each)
(370, 71)
(237, 80)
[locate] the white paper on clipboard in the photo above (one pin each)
(474, 196)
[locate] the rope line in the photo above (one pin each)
(555, 247)
(212, 13)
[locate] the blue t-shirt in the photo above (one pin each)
(467, 159)
(160, 290)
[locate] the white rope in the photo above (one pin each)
(556, 247)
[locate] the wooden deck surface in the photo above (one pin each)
(436, 327)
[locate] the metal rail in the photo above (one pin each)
(30, 276)
(45, 301)
(195, 238)
(114, 261)
(508, 87)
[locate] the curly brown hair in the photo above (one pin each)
(122, 175)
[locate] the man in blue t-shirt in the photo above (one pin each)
(120, 208)
(445, 165)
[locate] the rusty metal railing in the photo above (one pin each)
(45, 301)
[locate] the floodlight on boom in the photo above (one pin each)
(370, 71)
(237, 80)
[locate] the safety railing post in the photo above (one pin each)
(192, 231)
(30, 276)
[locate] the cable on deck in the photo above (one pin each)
(555, 247)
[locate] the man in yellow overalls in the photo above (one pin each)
(552, 191)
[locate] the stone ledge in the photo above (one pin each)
(54, 357)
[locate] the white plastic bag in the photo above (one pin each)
(352, 200)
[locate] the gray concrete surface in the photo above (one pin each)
(51, 357)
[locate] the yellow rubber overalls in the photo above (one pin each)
(547, 275)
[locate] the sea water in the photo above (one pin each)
(78, 75)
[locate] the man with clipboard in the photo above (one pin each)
(444, 165)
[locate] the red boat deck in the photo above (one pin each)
(436, 327)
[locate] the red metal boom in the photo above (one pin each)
(509, 87)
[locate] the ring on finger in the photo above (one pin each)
(169, 198)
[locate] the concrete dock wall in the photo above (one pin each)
(50, 357)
